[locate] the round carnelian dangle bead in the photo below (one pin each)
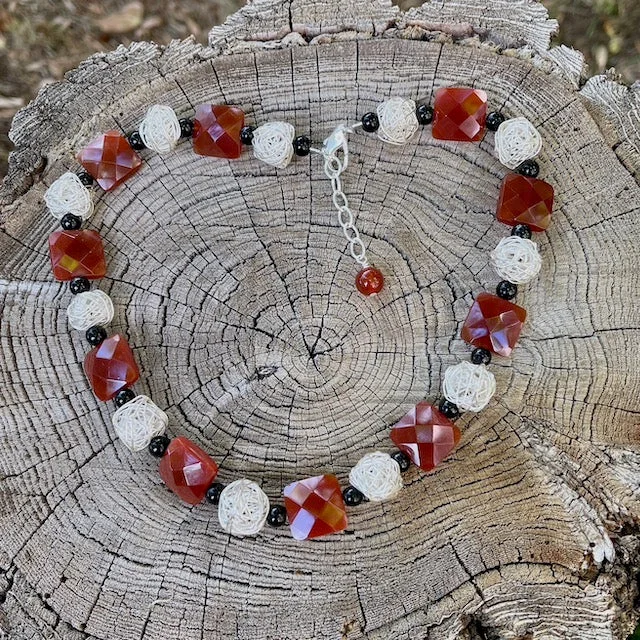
(369, 281)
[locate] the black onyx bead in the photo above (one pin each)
(186, 127)
(95, 335)
(449, 409)
(69, 222)
(522, 231)
(529, 168)
(302, 146)
(158, 446)
(135, 141)
(277, 516)
(79, 285)
(124, 396)
(246, 135)
(480, 356)
(402, 459)
(424, 113)
(352, 497)
(494, 120)
(214, 491)
(507, 290)
(85, 178)
(370, 122)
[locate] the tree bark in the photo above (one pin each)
(232, 284)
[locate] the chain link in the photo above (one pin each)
(333, 168)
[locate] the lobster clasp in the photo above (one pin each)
(338, 141)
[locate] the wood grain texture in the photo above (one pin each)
(232, 284)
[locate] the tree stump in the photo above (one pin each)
(232, 283)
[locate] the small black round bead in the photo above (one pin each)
(402, 459)
(69, 222)
(424, 113)
(507, 290)
(214, 491)
(494, 120)
(124, 396)
(135, 141)
(529, 168)
(95, 335)
(352, 497)
(186, 127)
(522, 231)
(79, 285)
(481, 356)
(370, 122)
(246, 135)
(449, 409)
(277, 516)
(302, 146)
(158, 446)
(85, 178)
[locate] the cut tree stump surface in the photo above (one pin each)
(232, 283)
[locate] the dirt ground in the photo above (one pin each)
(41, 39)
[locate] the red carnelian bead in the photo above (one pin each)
(425, 435)
(369, 281)
(315, 507)
(110, 159)
(187, 470)
(111, 367)
(493, 324)
(459, 113)
(525, 201)
(76, 254)
(216, 131)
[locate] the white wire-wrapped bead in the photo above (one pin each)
(243, 508)
(273, 143)
(67, 194)
(160, 129)
(516, 259)
(517, 140)
(139, 420)
(398, 121)
(469, 386)
(90, 308)
(376, 476)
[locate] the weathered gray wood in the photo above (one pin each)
(219, 270)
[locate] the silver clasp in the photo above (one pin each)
(338, 141)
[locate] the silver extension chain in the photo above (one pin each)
(334, 165)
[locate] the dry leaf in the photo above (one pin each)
(123, 21)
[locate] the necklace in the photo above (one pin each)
(427, 433)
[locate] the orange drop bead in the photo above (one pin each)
(111, 367)
(110, 159)
(187, 470)
(369, 281)
(216, 131)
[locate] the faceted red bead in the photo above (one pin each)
(187, 470)
(216, 131)
(494, 324)
(525, 201)
(369, 281)
(111, 367)
(459, 113)
(315, 507)
(425, 435)
(77, 253)
(110, 159)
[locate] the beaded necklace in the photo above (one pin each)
(427, 433)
